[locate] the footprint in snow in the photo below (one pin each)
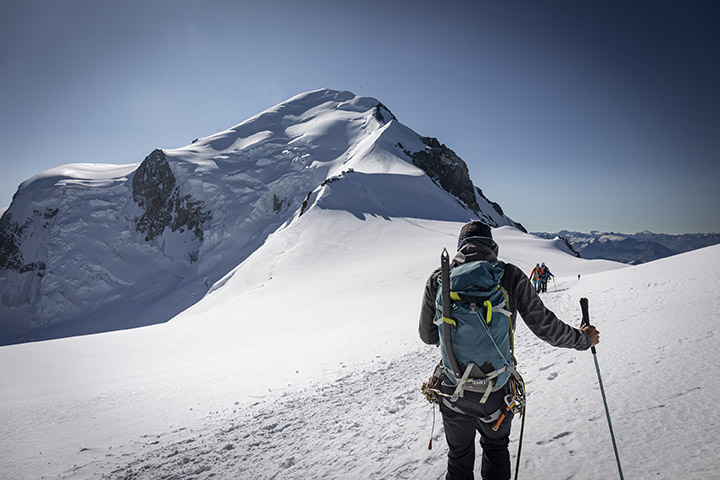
(556, 437)
(552, 376)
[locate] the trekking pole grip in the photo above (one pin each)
(585, 316)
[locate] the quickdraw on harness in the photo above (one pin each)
(514, 401)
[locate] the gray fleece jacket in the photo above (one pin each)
(523, 299)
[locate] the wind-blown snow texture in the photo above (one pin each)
(91, 248)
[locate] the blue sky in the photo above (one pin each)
(571, 115)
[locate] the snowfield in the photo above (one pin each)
(304, 362)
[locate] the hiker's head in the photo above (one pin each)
(474, 229)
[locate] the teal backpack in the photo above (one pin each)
(476, 334)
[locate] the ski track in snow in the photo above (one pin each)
(309, 433)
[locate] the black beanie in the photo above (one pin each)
(476, 228)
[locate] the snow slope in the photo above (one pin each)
(304, 362)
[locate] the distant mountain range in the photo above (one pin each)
(633, 248)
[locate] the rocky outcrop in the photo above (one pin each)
(451, 173)
(380, 116)
(155, 190)
(10, 238)
(334, 178)
(494, 205)
(498, 209)
(444, 167)
(570, 247)
(12, 234)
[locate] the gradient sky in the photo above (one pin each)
(571, 115)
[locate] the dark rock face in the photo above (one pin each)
(451, 173)
(380, 117)
(443, 166)
(10, 236)
(279, 203)
(155, 190)
(496, 206)
(190, 215)
(569, 246)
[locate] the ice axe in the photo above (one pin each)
(586, 322)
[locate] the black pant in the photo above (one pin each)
(460, 427)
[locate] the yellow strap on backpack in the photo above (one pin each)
(449, 320)
(488, 306)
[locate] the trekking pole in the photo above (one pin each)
(522, 430)
(586, 322)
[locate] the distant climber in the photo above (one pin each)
(535, 277)
(478, 398)
(545, 275)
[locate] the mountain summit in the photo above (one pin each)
(87, 248)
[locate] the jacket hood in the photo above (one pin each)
(475, 249)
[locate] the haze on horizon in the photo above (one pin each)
(571, 116)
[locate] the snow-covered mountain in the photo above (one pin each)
(633, 248)
(93, 247)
